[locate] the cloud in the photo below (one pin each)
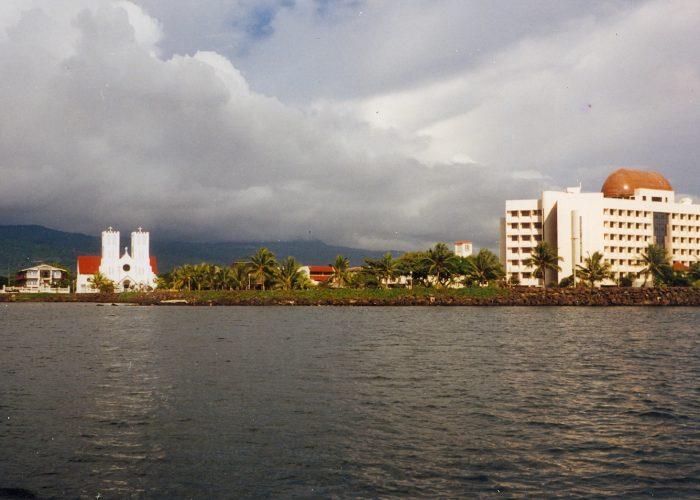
(104, 123)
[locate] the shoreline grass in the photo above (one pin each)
(389, 297)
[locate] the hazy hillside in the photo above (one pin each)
(21, 246)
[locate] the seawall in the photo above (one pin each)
(519, 296)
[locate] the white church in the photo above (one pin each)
(128, 271)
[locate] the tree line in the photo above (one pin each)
(657, 270)
(436, 267)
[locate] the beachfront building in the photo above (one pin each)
(633, 210)
(42, 278)
(463, 248)
(135, 270)
(318, 274)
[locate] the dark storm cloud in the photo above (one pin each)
(104, 123)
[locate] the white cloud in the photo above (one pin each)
(103, 125)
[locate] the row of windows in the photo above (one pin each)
(625, 262)
(635, 250)
(689, 229)
(523, 213)
(526, 237)
(695, 217)
(687, 251)
(526, 225)
(626, 225)
(626, 213)
(646, 213)
(524, 251)
(680, 239)
(626, 237)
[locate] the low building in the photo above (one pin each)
(463, 248)
(633, 210)
(42, 278)
(135, 270)
(318, 274)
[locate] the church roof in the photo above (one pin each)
(623, 182)
(90, 264)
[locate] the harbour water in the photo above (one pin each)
(182, 402)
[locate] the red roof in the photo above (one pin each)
(89, 264)
(461, 242)
(320, 269)
(679, 266)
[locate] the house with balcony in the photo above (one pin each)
(42, 278)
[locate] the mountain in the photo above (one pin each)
(23, 246)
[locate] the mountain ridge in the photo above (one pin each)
(25, 245)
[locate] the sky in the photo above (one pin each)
(372, 124)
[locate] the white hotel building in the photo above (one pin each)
(633, 210)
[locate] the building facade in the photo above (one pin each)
(42, 278)
(633, 210)
(128, 271)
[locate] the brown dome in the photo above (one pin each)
(623, 182)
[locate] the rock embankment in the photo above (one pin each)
(519, 296)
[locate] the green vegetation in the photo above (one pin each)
(102, 283)
(543, 258)
(594, 269)
(435, 268)
(656, 264)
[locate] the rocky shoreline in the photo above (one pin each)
(519, 296)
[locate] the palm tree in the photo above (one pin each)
(543, 258)
(694, 272)
(383, 269)
(340, 271)
(102, 283)
(288, 275)
(483, 267)
(183, 277)
(656, 264)
(441, 263)
(262, 266)
(594, 269)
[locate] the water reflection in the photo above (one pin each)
(222, 402)
(124, 397)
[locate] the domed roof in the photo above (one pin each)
(622, 183)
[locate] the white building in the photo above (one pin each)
(633, 210)
(463, 248)
(42, 278)
(128, 271)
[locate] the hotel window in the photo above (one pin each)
(514, 225)
(526, 225)
(538, 238)
(513, 238)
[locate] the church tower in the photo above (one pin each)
(139, 251)
(110, 252)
